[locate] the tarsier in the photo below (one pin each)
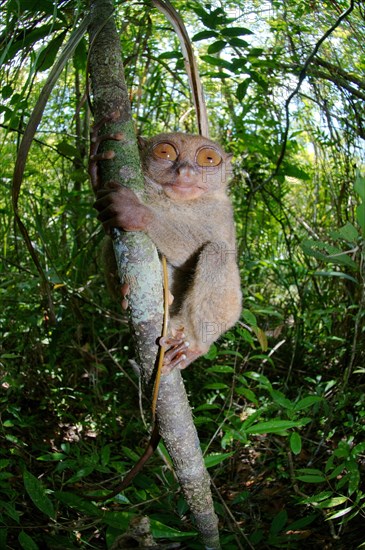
(186, 212)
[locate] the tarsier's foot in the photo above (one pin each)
(175, 356)
(178, 354)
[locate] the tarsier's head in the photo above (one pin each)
(185, 166)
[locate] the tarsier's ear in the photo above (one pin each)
(142, 143)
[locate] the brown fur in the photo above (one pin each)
(188, 215)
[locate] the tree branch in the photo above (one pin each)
(139, 266)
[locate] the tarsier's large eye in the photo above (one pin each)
(208, 157)
(165, 151)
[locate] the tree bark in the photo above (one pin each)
(139, 266)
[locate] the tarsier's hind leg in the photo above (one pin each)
(212, 303)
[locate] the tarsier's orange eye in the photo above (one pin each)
(208, 157)
(165, 151)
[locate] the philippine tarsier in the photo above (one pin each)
(186, 212)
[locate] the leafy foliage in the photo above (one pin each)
(279, 403)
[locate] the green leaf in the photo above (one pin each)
(37, 493)
(249, 394)
(246, 335)
(279, 522)
(175, 54)
(219, 75)
(83, 472)
(294, 171)
(242, 89)
(331, 502)
(303, 522)
(159, 530)
(255, 52)
(311, 471)
(6, 91)
(311, 479)
(48, 55)
(273, 426)
(310, 475)
(359, 448)
(280, 399)
(119, 520)
(238, 42)
(216, 458)
(203, 35)
(27, 542)
(216, 61)
(353, 476)
(338, 274)
(220, 369)
(307, 402)
(295, 443)
(9, 509)
(341, 513)
(67, 149)
(249, 318)
(235, 31)
(36, 6)
(347, 232)
(29, 38)
(327, 253)
(215, 386)
(217, 46)
(52, 457)
(315, 499)
(105, 455)
(212, 352)
(261, 378)
(80, 55)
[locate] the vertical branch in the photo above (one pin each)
(137, 258)
(138, 265)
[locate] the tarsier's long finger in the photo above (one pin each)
(172, 341)
(175, 352)
(106, 155)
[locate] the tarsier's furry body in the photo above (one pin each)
(186, 212)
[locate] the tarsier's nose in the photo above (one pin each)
(185, 170)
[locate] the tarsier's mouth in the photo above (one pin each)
(182, 186)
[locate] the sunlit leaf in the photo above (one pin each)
(159, 530)
(216, 458)
(340, 514)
